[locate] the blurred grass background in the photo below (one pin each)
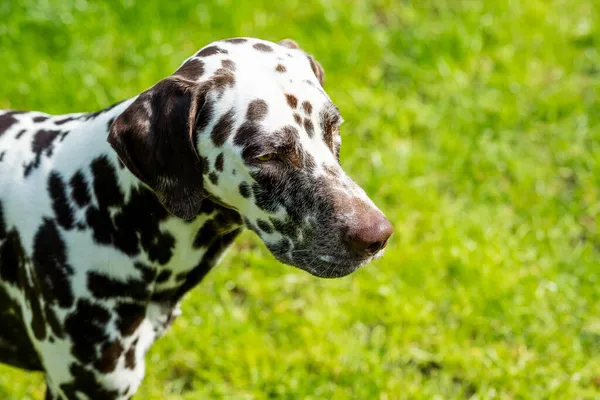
(475, 125)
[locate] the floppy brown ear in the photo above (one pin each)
(314, 64)
(154, 138)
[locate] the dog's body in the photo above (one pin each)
(100, 239)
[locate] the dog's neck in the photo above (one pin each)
(177, 253)
(172, 255)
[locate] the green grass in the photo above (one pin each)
(475, 125)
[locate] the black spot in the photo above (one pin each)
(80, 191)
(105, 287)
(7, 120)
(21, 132)
(51, 265)
(205, 165)
(236, 40)
(191, 70)
(250, 225)
(130, 316)
(101, 224)
(12, 255)
(42, 143)
(244, 190)
(282, 247)
(64, 120)
(39, 118)
(60, 203)
(163, 276)
(192, 278)
(219, 161)
(106, 187)
(162, 250)
(206, 234)
(257, 110)
(211, 50)
(263, 47)
(287, 228)
(3, 229)
(148, 272)
(264, 225)
(86, 326)
(53, 321)
(84, 381)
(214, 178)
(222, 128)
(207, 207)
(16, 348)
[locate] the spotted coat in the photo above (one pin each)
(108, 219)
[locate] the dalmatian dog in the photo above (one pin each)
(108, 219)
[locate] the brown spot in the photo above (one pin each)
(222, 129)
(191, 70)
(236, 40)
(290, 135)
(308, 126)
(263, 47)
(280, 68)
(307, 107)
(298, 118)
(130, 356)
(291, 100)
(289, 43)
(317, 69)
(109, 356)
(223, 79)
(228, 64)
(211, 50)
(257, 110)
(330, 121)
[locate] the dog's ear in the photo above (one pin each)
(314, 64)
(155, 138)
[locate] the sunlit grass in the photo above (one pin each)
(475, 125)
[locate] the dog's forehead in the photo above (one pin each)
(278, 78)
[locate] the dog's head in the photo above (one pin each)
(247, 124)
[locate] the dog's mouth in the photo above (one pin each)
(325, 265)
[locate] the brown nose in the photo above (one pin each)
(370, 235)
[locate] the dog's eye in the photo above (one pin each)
(266, 157)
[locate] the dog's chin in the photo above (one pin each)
(325, 266)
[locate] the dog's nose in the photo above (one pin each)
(372, 235)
